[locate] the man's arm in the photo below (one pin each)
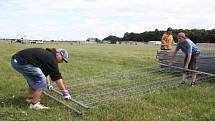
(60, 84)
(189, 55)
(172, 58)
(62, 88)
(48, 80)
(188, 61)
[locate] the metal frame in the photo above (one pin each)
(195, 71)
(61, 102)
(102, 96)
(71, 99)
(205, 61)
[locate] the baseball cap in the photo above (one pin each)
(64, 53)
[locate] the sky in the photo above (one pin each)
(82, 19)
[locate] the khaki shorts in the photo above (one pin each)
(192, 64)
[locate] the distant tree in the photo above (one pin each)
(98, 40)
(133, 37)
(112, 39)
(196, 35)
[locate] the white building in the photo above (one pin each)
(154, 42)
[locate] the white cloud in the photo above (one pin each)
(80, 19)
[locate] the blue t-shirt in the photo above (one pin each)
(187, 47)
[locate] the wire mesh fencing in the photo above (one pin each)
(106, 88)
(205, 60)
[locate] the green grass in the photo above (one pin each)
(93, 68)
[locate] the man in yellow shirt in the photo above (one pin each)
(167, 40)
(166, 44)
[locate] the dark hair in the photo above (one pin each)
(169, 29)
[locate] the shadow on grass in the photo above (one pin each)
(14, 102)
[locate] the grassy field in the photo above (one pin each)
(93, 68)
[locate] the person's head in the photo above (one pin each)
(62, 55)
(181, 37)
(169, 30)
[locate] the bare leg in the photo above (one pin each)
(194, 77)
(184, 76)
(30, 92)
(35, 104)
(36, 96)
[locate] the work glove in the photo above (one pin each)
(50, 87)
(66, 94)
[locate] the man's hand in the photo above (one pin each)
(66, 94)
(185, 67)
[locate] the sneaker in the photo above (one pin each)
(192, 84)
(28, 99)
(182, 82)
(38, 106)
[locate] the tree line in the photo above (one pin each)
(196, 35)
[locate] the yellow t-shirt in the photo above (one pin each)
(168, 40)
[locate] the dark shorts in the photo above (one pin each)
(192, 64)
